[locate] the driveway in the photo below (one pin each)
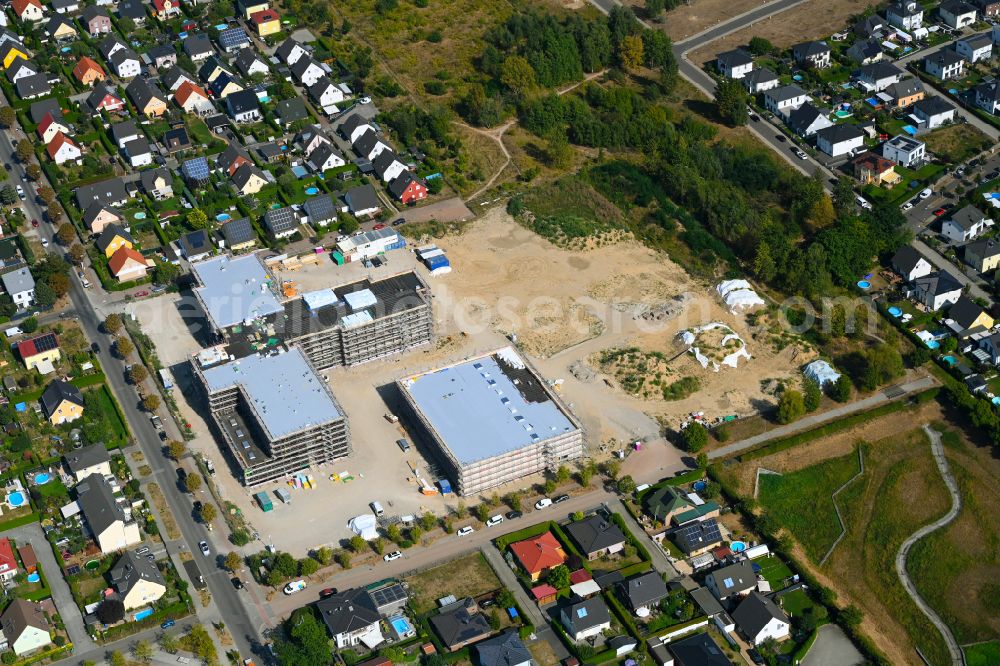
(832, 647)
(61, 594)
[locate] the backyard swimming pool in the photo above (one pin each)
(34, 577)
(16, 499)
(895, 312)
(143, 614)
(222, 217)
(933, 344)
(312, 191)
(737, 546)
(949, 359)
(864, 284)
(140, 215)
(42, 478)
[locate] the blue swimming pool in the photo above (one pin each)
(143, 614)
(16, 499)
(864, 284)
(300, 171)
(933, 344)
(949, 359)
(910, 129)
(34, 577)
(737, 546)
(222, 217)
(312, 191)
(401, 625)
(796, 77)
(996, 400)
(42, 478)
(140, 215)
(895, 312)
(700, 485)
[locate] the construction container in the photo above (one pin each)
(264, 501)
(284, 495)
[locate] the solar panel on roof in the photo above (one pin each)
(196, 167)
(45, 342)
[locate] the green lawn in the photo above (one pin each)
(984, 654)
(801, 501)
(774, 571)
(795, 603)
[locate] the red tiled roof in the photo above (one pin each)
(20, 5)
(57, 142)
(47, 120)
(542, 591)
(7, 560)
(28, 348)
(85, 65)
(539, 553)
(264, 16)
(580, 576)
(121, 257)
(185, 91)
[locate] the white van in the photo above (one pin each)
(377, 508)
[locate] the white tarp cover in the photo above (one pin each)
(821, 372)
(731, 360)
(365, 526)
(738, 295)
(728, 285)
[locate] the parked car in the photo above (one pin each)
(365, 100)
(328, 592)
(394, 555)
(465, 531)
(542, 503)
(561, 498)
(237, 583)
(295, 586)
(926, 192)
(801, 154)
(939, 212)
(780, 137)
(34, 223)
(167, 624)
(204, 548)
(403, 445)
(379, 226)
(494, 520)
(513, 515)
(907, 206)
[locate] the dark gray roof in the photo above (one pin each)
(944, 57)
(807, 49)
(37, 110)
(149, 177)
(905, 88)
(594, 533)
(644, 590)
(110, 232)
(174, 75)
(196, 242)
(291, 110)
(868, 25)
(965, 311)
(320, 208)
(933, 105)
(133, 9)
(989, 91)
(242, 175)
(279, 220)
(906, 259)
(209, 66)
(735, 578)
(33, 85)
(956, 7)
(124, 130)
(109, 42)
(88, 456)
(302, 64)
(91, 12)
(137, 147)
(162, 51)
(142, 93)
(587, 613)
(322, 153)
(246, 58)
(351, 610)
(21, 64)
(353, 122)
(366, 142)
(317, 89)
(95, 209)
(286, 48)
(503, 650)
(218, 86)
(983, 248)
(753, 614)
(838, 133)
(362, 197)
(229, 155)
(880, 70)
(699, 650)
(106, 191)
(97, 502)
(782, 93)
(400, 183)
(130, 569)
(56, 22)
(122, 55)
(460, 622)
(238, 231)
(967, 217)
(803, 117)
(698, 535)
(938, 283)
(735, 58)
(761, 75)
(101, 90)
(242, 101)
(199, 44)
(383, 161)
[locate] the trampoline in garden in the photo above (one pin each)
(92, 565)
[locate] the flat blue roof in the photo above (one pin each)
(235, 289)
(284, 391)
(487, 406)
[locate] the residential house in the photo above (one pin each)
(964, 224)
(96, 20)
(987, 97)
(325, 94)
(97, 216)
(956, 14)
(325, 157)
(123, 132)
(759, 619)
(174, 78)
(28, 558)
(387, 166)
(460, 624)
(134, 10)
(176, 139)
(21, 68)
(362, 201)
(266, 21)
(320, 210)
(10, 51)
(138, 152)
(25, 627)
(248, 179)
(733, 580)
(149, 101)
(269, 152)
(351, 619)
(643, 591)
(112, 238)
(20, 286)
(224, 85)
(865, 51)
(125, 63)
(50, 126)
(369, 146)
(239, 234)
(137, 581)
(109, 45)
(290, 51)
(975, 47)
(906, 15)
(249, 7)
(734, 64)
(760, 80)
(63, 149)
(905, 93)
(807, 120)
(507, 649)
(311, 138)
(538, 554)
(88, 72)
(784, 99)
(166, 9)
(987, 8)
(28, 10)
(695, 537)
(991, 345)
(983, 255)
(193, 99)
(596, 537)
(840, 139)
(62, 402)
(244, 107)
(104, 98)
(867, 27)
(966, 318)
(198, 47)
(113, 529)
(937, 289)
(92, 459)
(812, 54)
(162, 57)
(665, 502)
(232, 158)
(59, 29)
(32, 86)
(352, 128)
(250, 64)
(8, 563)
(233, 39)
(40, 351)
(63, 7)
(212, 68)
(307, 71)
(586, 618)
(873, 169)
(878, 76)
(281, 222)
(157, 183)
(944, 64)
(110, 192)
(290, 111)
(905, 151)
(196, 245)
(407, 188)
(697, 649)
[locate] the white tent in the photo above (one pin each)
(738, 295)
(364, 526)
(821, 372)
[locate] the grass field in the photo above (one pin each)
(984, 654)
(802, 503)
(956, 143)
(468, 576)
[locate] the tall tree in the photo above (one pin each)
(731, 98)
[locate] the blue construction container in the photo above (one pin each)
(439, 261)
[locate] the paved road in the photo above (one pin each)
(814, 420)
(957, 658)
(61, 594)
(832, 647)
(957, 271)
(510, 581)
